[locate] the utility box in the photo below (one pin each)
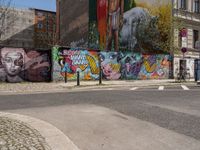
(197, 69)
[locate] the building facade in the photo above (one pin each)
(29, 28)
(44, 28)
(186, 33)
(72, 22)
(187, 13)
(18, 28)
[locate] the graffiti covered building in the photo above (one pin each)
(128, 25)
(18, 64)
(115, 65)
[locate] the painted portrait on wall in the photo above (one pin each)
(133, 25)
(18, 64)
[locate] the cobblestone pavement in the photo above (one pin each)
(16, 135)
(20, 87)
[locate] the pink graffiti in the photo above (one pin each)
(110, 73)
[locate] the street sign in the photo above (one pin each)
(183, 49)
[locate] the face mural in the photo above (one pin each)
(133, 25)
(110, 65)
(68, 61)
(19, 65)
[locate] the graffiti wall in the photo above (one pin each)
(134, 25)
(129, 65)
(68, 61)
(114, 65)
(18, 64)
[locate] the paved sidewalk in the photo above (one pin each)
(92, 127)
(19, 132)
(28, 87)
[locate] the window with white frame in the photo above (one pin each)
(196, 6)
(183, 4)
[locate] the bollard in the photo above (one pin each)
(78, 78)
(100, 76)
(65, 76)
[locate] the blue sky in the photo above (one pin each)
(39, 4)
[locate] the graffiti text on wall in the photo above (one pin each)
(71, 60)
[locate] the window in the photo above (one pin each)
(183, 4)
(40, 25)
(196, 6)
(195, 37)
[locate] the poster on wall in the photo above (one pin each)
(18, 64)
(133, 25)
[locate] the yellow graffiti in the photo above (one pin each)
(115, 67)
(92, 64)
(148, 67)
(83, 67)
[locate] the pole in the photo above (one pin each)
(100, 75)
(78, 78)
(100, 70)
(65, 76)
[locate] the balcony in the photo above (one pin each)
(187, 15)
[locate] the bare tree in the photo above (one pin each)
(7, 16)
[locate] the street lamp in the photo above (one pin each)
(197, 46)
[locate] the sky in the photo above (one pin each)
(39, 4)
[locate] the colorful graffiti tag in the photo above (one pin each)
(155, 67)
(69, 61)
(18, 64)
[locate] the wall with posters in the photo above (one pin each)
(19, 64)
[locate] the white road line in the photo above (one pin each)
(133, 89)
(161, 88)
(185, 87)
(109, 89)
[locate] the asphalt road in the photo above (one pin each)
(172, 108)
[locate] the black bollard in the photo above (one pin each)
(78, 78)
(65, 76)
(100, 76)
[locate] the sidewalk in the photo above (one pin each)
(28, 87)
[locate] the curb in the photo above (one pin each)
(56, 139)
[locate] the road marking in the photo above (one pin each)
(109, 89)
(133, 89)
(185, 87)
(161, 88)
